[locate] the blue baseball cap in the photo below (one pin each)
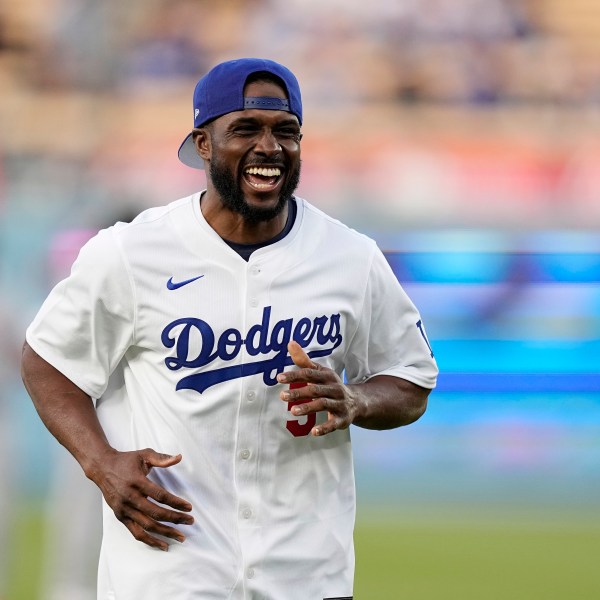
(221, 91)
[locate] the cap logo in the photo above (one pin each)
(196, 113)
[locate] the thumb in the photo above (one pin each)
(300, 358)
(157, 459)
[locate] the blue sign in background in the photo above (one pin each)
(515, 418)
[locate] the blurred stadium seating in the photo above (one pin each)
(464, 135)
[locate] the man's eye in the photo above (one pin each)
(245, 130)
(287, 133)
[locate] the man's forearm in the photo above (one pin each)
(66, 410)
(387, 402)
(143, 506)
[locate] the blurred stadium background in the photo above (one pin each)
(464, 135)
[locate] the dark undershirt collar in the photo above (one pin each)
(246, 250)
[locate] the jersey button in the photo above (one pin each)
(246, 513)
(254, 302)
(251, 395)
(250, 573)
(255, 270)
(245, 454)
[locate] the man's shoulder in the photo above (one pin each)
(341, 232)
(155, 228)
(154, 216)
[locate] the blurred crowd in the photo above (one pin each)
(445, 95)
(420, 114)
(404, 51)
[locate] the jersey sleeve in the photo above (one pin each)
(390, 338)
(87, 321)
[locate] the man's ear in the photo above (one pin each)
(202, 142)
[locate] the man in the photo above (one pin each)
(192, 363)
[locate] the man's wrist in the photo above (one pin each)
(93, 463)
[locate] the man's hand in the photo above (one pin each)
(324, 390)
(69, 414)
(136, 500)
(382, 402)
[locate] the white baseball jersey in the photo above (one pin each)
(179, 341)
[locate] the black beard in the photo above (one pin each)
(233, 197)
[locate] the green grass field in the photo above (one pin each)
(464, 557)
(428, 555)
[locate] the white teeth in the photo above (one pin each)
(263, 171)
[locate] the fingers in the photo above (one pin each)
(151, 458)
(156, 459)
(158, 493)
(300, 358)
(309, 370)
(312, 391)
(323, 390)
(143, 517)
(141, 528)
(338, 416)
(139, 503)
(332, 424)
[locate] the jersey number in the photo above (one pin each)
(296, 428)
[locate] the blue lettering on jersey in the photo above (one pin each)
(261, 340)
(422, 330)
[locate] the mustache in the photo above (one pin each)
(261, 160)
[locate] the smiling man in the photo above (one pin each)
(204, 363)
(253, 154)
(253, 157)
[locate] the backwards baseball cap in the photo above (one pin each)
(221, 91)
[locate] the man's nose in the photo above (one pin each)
(267, 143)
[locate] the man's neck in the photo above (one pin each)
(232, 226)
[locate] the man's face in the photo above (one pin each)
(255, 157)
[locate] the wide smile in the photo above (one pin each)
(263, 179)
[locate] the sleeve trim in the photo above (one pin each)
(62, 365)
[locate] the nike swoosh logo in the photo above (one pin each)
(175, 285)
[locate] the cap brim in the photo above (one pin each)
(188, 154)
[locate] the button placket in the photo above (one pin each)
(248, 497)
(253, 299)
